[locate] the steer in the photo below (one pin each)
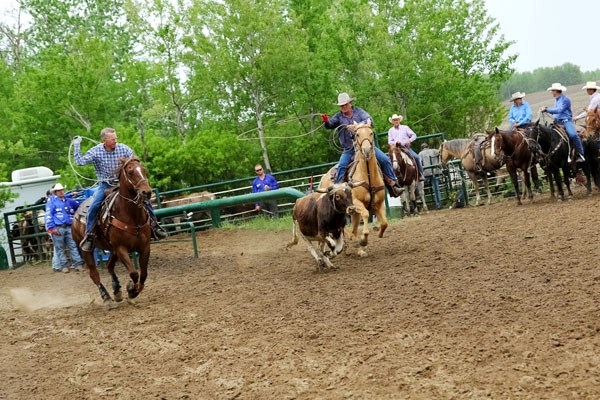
(320, 217)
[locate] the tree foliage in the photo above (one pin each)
(203, 90)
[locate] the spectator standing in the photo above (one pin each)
(431, 158)
(59, 217)
(263, 183)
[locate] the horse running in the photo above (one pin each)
(369, 195)
(123, 229)
(462, 149)
(514, 148)
(407, 173)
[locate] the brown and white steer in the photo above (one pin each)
(320, 217)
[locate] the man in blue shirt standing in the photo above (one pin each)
(564, 116)
(519, 115)
(349, 115)
(105, 157)
(263, 183)
(59, 217)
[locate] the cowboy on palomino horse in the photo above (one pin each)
(105, 157)
(349, 116)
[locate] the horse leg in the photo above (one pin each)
(527, 180)
(116, 285)
(558, 182)
(512, 171)
(88, 257)
(422, 194)
(475, 182)
(381, 217)
(567, 179)
(133, 288)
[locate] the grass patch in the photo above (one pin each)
(261, 224)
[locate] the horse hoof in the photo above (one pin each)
(118, 297)
(133, 302)
(109, 304)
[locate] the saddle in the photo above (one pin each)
(105, 207)
(478, 147)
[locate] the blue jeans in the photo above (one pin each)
(434, 181)
(382, 159)
(60, 242)
(417, 160)
(572, 132)
(97, 199)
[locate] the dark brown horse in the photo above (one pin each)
(125, 228)
(515, 149)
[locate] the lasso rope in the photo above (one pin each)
(242, 135)
(77, 174)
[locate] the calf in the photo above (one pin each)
(320, 217)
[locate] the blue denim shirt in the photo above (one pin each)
(562, 109)
(358, 115)
(520, 115)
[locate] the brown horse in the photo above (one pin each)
(123, 229)
(515, 148)
(407, 173)
(369, 195)
(462, 149)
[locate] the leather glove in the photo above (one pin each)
(324, 118)
(77, 140)
(543, 109)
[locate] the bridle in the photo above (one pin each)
(139, 198)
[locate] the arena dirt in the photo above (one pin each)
(494, 302)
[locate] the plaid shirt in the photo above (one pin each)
(106, 163)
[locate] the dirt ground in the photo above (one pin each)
(495, 301)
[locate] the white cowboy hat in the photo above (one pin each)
(557, 86)
(590, 85)
(58, 186)
(344, 98)
(395, 116)
(517, 95)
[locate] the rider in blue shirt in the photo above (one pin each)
(349, 115)
(519, 115)
(105, 157)
(564, 116)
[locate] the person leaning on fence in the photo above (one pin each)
(348, 116)
(591, 89)
(519, 115)
(429, 158)
(263, 183)
(403, 135)
(59, 217)
(564, 116)
(105, 157)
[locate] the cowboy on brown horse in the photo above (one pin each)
(105, 157)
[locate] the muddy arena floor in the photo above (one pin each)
(495, 301)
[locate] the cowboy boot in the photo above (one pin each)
(87, 244)
(158, 233)
(394, 189)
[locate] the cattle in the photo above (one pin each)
(320, 217)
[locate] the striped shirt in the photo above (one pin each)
(106, 163)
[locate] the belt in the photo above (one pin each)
(63, 225)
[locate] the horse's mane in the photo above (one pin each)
(457, 146)
(593, 121)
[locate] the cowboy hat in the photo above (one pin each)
(395, 116)
(590, 85)
(517, 95)
(557, 86)
(58, 186)
(344, 98)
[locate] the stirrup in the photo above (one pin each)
(87, 244)
(158, 233)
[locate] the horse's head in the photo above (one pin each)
(133, 177)
(445, 155)
(363, 139)
(496, 141)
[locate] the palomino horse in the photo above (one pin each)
(407, 173)
(514, 148)
(370, 194)
(462, 149)
(554, 155)
(124, 229)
